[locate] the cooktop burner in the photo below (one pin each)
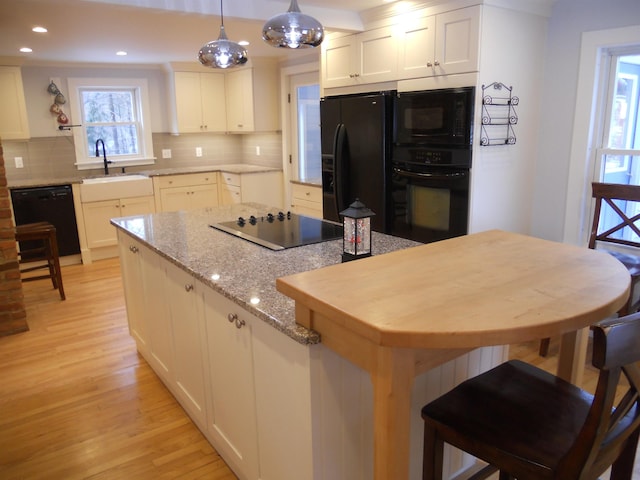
(282, 230)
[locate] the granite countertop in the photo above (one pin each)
(230, 168)
(242, 270)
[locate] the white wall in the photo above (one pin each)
(511, 53)
(36, 80)
(570, 18)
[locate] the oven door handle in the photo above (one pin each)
(435, 176)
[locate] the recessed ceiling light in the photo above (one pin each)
(39, 30)
(26, 50)
(244, 43)
(121, 53)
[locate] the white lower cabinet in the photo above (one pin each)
(231, 419)
(143, 277)
(97, 217)
(273, 408)
(184, 300)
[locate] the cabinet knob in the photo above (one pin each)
(436, 63)
(188, 287)
(133, 248)
(429, 64)
(307, 193)
(233, 317)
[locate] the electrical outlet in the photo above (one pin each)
(166, 153)
(19, 162)
(198, 151)
(257, 150)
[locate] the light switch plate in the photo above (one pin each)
(166, 153)
(198, 151)
(19, 162)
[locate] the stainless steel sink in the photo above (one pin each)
(114, 187)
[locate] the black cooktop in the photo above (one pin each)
(282, 230)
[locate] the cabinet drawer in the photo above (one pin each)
(230, 178)
(306, 193)
(189, 179)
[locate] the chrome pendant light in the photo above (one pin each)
(293, 29)
(222, 53)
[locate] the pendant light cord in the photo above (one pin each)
(221, 14)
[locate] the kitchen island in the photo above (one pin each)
(272, 399)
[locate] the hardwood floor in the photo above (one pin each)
(77, 402)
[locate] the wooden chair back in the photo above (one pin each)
(606, 194)
(610, 426)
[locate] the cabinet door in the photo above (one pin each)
(337, 61)
(97, 216)
(230, 194)
(214, 109)
(174, 199)
(457, 41)
(13, 121)
(188, 102)
(137, 206)
(202, 196)
(158, 316)
(185, 326)
(377, 56)
(416, 49)
(239, 89)
(134, 292)
(231, 420)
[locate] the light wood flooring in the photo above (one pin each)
(77, 402)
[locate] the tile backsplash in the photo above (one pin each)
(54, 157)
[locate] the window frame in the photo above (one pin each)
(86, 159)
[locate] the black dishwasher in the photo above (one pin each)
(53, 204)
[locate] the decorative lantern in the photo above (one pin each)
(356, 239)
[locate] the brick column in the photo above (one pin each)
(13, 316)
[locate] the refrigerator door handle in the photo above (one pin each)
(338, 167)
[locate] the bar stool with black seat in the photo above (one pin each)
(532, 425)
(41, 247)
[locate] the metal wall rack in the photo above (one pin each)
(498, 115)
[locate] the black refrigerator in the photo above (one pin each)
(356, 135)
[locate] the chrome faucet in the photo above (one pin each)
(104, 155)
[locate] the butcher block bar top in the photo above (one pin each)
(489, 288)
(403, 313)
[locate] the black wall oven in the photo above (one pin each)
(431, 164)
(430, 201)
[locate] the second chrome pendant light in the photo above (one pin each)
(293, 29)
(222, 53)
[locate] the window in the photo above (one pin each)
(115, 111)
(619, 155)
(305, 106)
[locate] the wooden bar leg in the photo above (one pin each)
(392, 384)
(573, 355)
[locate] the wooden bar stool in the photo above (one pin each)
(38, 243)
(532, 425)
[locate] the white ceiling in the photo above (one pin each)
(152, 31)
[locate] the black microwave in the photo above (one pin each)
(442, 117)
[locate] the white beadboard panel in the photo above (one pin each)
(342, 407)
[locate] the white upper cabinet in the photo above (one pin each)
(200, 102)
(253, 98)
(442, 44)
(414, 47)
(366, 57)
(13, 121)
